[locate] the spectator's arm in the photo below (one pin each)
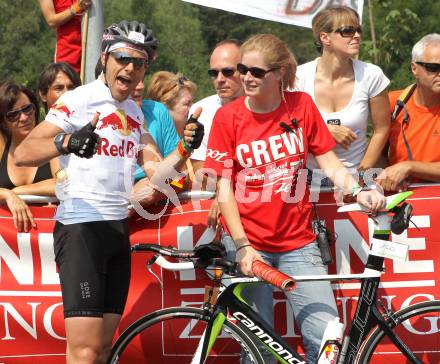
(38, 147)
(380, 115)
(148, 158)
(159, 172)
(54, 20)
(20, 211)
(394, 178)
(42, 188)
(229, 209)
(336, 171)
(426, 171)
(197, 164)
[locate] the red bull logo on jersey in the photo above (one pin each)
(62, 108)
(124, 149)
(119, 121)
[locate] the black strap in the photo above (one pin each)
(400, 106)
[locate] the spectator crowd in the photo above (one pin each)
(348, 130)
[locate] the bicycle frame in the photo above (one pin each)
(366, 317)
(231, 302)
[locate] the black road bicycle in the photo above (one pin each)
(226, 326)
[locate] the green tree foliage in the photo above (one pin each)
(28, 43)
(218, 25)
(398, 25)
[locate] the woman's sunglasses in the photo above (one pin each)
(227, 72)
(14, 115)
(125, 59)
(181, 80)
(254, 71)
(348, 32)
(430, 67)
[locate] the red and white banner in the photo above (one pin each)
(31, 322)
(295, 12)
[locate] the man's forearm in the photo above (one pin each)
(426, 171)
(34, 152)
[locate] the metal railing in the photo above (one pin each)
(193, 195)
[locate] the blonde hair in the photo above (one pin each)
(276, 54)
(331, 18)
(165, 86)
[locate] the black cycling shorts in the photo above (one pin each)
(93, 259)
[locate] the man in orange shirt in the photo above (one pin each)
(421, 159)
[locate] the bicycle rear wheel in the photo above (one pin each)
(417, 326)
(172, 335)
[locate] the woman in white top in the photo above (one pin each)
(346, 90)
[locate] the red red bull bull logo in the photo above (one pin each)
(124, 149)
(331, 352)
(119, 121)
(61, 107)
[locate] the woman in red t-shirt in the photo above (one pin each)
(65, 17)
(260, 142)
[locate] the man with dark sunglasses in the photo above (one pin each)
(98, 132)
(226, 81)
(414, 153)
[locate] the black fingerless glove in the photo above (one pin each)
(84, 142)
(199, 133)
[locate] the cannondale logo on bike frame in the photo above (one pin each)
(267, 339)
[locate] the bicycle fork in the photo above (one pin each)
(366, 315)
(213, 327)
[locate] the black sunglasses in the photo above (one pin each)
(348, 32)
(181, 80)
(125, 59)
(227, 72)
(430, 67)
(255, 71)
(14, 115)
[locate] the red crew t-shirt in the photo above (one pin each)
(267, 166)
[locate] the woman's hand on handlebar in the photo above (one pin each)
(372, 199)
(245, 257)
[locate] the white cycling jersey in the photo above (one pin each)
(97, 189)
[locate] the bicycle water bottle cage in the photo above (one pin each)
(401, 218)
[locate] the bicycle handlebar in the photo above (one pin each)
(166, 264)
(212, 254)
(273, 276)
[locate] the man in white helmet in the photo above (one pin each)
(97, 129)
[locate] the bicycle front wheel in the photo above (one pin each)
(173, 334)
(417, 326)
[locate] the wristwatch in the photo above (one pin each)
(58, 141)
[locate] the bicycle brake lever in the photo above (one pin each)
(149, 265)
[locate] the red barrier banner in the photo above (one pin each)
(31, 320)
